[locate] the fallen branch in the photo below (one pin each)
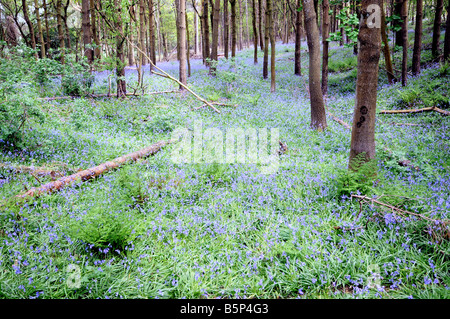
(39, 171)
(93, 172)
(427, 109)
(218, 104)
(346, 125)
(167, 75)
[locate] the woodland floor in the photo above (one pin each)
(207, 231)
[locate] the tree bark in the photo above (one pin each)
(226, 31)
(298, 39)
(182, 42)
(30, 25)
(120, 39)
(255, 33)
(405, 42)
(437, 28)
(261, 34)
(47, 31)
(215, 38)
(447, 36)
(417, 38)
(39, 25)
(207, 52)
(86, 28)
(188, 51)
(266, 45)
(60, 27)
(325, 35)
(151, 32)
(398, 9)
(364, 116)
(386, 50)
(233, 28)
(97, 52)
(272, 46)
(318, 115)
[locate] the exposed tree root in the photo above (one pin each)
(93, 172)
(427, 109)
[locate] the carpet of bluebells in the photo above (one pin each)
(155, 229)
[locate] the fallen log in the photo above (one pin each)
(426, 109)
(39, 171)
(93, 172)
(103, 95)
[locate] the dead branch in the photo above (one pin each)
(218, 104)
(39, 171)
(167, 75)
(427, 109)
(93, 172)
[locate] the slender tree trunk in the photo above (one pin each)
(318, 115)
(386, 50)
(47, 31)
(233, 28)
(397, 23)
(39, 25)
(182, 42)
(30, 25)
(151, 32)
(97, 52)
(447, 36)
(298, 39)
(188, 51)
(405, 42)
(325, 35)
(120, 56)
(66, 27)
(60, 27)
(437, 28)
(417, 38)
(272, 46)
(227, 29)
(215, 38)
(255, 32)
(261, 34)
(205, 15)
(86, 28)
(363, 130)
(266, 45)
(131, 58)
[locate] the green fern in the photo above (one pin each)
(358, 177)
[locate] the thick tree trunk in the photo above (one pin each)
(182, 42)
(39, 25)
(47, 31)
(86, 29)
(215, 38)
(405, 42)
(437, 28)
(386, 50)
(325, 35)
(318, 115)
(298, 39)
(417, 38)
(398, 5)
(233, 28)
(226, 31)
(151, 32)
(207, 52)
(255, 32)
(30, 25)
(363, 130)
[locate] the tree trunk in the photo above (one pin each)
(86, 28)
(60, 27)
(325, 35)
(233, 28)
(261, 34)
(30, 25)
(318, 115)
(151, 32)
(97, 52)
(47, 32)
(363, 130)
(417, 38)
(386, 50)
(66, 27)
(437, 28)
(398, 9)
(215, 38)
(405, 42)
(207, 52)
(298, 39)
(272, 46)
(120, 39)
(255, 32)
(266, 45)
(447, 36)
(182, 42)
(40, 32)
(188, 52)
(227, 29)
